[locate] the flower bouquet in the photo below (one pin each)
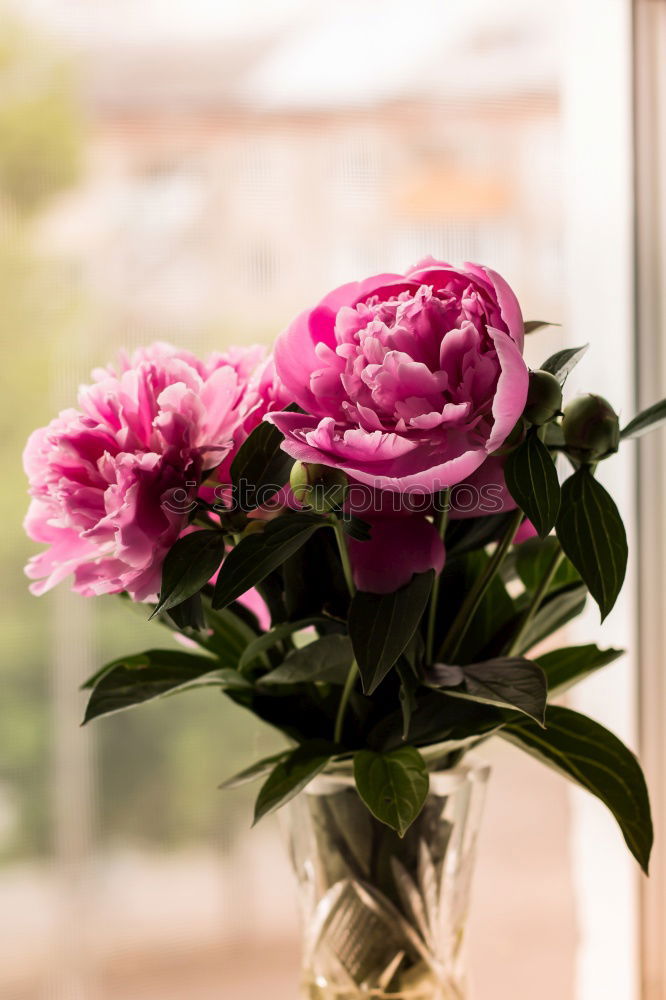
(365, 540)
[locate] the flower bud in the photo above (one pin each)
(591, 429)
(300, 481)
(544, 398)
(318, 486)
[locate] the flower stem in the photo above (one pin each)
(537, 600)
(353, 670)
(441, 522)
(344, 701)
(344, 554)
(471, 603)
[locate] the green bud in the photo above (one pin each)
(591, 429)
(544, 398)
(300, 481)
(318, 487)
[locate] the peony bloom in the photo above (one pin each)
(112, 482)
(409, 382)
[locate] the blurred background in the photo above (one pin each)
(199, 173)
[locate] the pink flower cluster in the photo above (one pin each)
(101, 475)
(408, 383)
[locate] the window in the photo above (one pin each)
(296, 151)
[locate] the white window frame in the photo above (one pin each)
(650, 173)
(599, 295)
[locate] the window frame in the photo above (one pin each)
(650, 341)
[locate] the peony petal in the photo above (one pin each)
(397, 549)
(295, 356)
(525, 532)
(421, 476)
(508, 303)
(511, 392)
(483, 493)
(219, 402)
(296, 360)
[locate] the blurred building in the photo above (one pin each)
(235, 180)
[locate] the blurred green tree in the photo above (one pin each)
(40, 155)
(40, 122)
(156, 770)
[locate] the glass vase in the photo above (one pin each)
(384, 917)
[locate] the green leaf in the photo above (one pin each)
(592, 535)
(292, 774)
(563, 362)
(356, 528)
(407, 695)
(271, 591)
(564, 667)
(229, 635)
(468, 533)
(313, 580)
(229, 680)
(188, 565)
(381, 625)
(260, 467)
(327, 659)
(532, 481)
(534, 556)
(262, 643)
(189, 614)
(496, 607)
(559, 608)
(94, 679)
(438, 719)
(393, 785)
(226, 680)
(532, 325)
(506, 682)
(588, 754)
(257, 770)
(256, 556)
(647, 420)
(131, 680)
(226, 635)
(141, 661)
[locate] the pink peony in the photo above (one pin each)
(408, 381)
(112, 481)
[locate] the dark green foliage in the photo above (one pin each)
(587, 753)
(592, 535)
